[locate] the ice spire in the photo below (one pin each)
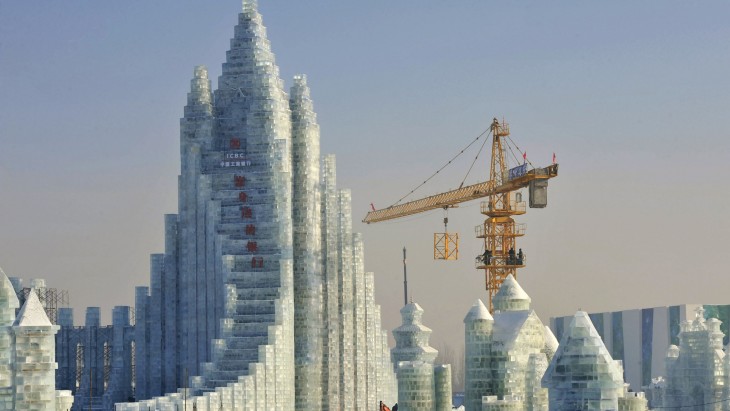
(511, 296)
(199, 98)
(250, 6)
(478, 325)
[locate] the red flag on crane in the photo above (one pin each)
(383, 407)
(554, 158)
(524, 156)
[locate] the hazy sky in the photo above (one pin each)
(633, 97)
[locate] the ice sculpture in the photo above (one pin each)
(506, 353)
(261, 293)
(421, 387)
(582, 375)
(697, 370)
(27, 354)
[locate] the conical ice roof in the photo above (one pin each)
(478, 311)
(580, 347)
(32, 313)
(511, 296)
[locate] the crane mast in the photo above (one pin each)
(499, 230)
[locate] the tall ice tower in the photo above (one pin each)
(261, 300)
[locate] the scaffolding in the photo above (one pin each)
(51, 298)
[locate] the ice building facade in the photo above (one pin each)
(421, 386)
(260, 300)
(506, 353)
(27, 355)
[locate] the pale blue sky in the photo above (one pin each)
(633, 97)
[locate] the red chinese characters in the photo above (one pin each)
(257, 262)
(239, 181)
(242, 196)
(246, 212)
(252, 246)
(235, 143)
(250, 229)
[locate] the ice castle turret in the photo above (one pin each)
(582, 375)
(511, 297)
(35, 359)
(507, 353)
(412, 337)
(8, 304)
(414, 359)
(478, 325)
(28, 354)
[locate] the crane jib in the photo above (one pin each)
(460, 195)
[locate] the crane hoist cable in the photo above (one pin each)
(487, 132)
(473, 162)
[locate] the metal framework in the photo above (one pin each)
(446, 246)
(501, 256)
(51, 298)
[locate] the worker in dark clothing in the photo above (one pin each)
(511, 256)
(520, 257)
(487, 257)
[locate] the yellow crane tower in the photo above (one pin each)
(499, 230)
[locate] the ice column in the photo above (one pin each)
(306, 216)
(8, 304)
(442, 388)
(331, 280)
(582, 375)
(415, 360)
(360, 326)
(478, 325)
(347, 350)
(35, 357)
(195, 136)
(415, 386)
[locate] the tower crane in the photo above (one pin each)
(499, 230)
